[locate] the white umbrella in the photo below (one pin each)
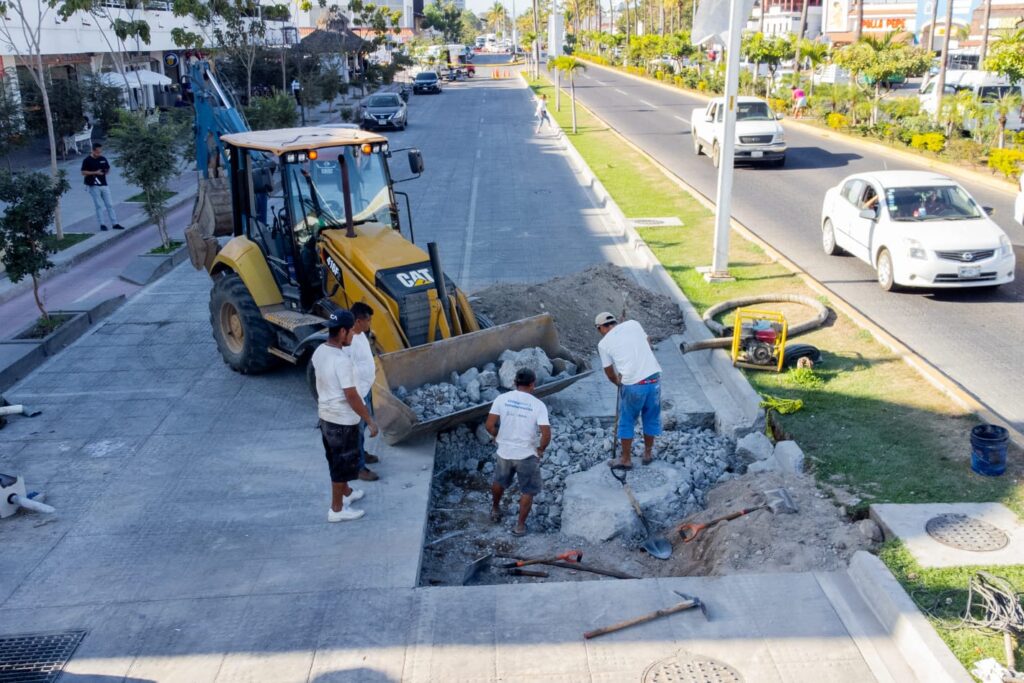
(135, 79)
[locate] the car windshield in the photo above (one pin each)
(753, 111)
(426, 76)
(382, 101)
(318, 187)
(928, 203)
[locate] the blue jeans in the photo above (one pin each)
(101, 199)
(643, 401)
(368, 400)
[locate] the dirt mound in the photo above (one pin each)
(574, 300)
(817, 538)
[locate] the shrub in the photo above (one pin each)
(778, 104)
(933, 142)
(915, 125)
(346, 113)
(1006, 161)
(267, 113)
(900, 108)
(965, 150)
(837, 121)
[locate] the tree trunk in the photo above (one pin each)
(940, 81)
(558, 90)
(931, 31)
(536, 40)
(629, 33)
(801, 31)
(874, 104)
(572, 90)
(1002, 131)
(58, 224)
(984, 38)
(859, 28)
(760, 17)
(39, 301)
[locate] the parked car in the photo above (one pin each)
(987, 85)
(917, 229)
(759, 135)
(426, 81)
(383, 110)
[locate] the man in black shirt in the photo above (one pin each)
(95, 168)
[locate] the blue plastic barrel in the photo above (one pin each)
(988, 449)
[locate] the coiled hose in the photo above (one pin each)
(725, 342)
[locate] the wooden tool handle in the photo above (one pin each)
(592, 570)
(632, 500)
(688, 604)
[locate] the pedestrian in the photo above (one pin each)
(95, 168)
(799, 101)
(296, 89)
(340, 409)
(518, 421)
(366, 371)
(542, 113)
(630, 365)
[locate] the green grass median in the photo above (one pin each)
(873, 428)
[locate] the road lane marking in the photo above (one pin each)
(600, 82)
(467, 253)
(686, 121)
(92, 291)
(648, 104)
(619, 91)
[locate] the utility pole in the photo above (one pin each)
(984, 34)
(931, 30)
(940, 80)
(719, 270)
(536, 40)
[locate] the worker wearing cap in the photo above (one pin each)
(629, 363)
(340, 408)
(518, 421)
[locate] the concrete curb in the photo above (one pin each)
(929, 372)
(736, 404)
(963, 173)
(87, 249)
(923, 649)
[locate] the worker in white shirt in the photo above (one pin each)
(542, 113)
(366, 370)
(629, 363)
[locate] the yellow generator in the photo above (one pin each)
(313, 219)
(759, 339)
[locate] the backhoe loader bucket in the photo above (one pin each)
(435, 363)
(211, 218)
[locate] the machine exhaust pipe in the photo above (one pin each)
(439, 283)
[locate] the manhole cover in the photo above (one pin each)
(966, 533)
(686, 668)
(36, 657)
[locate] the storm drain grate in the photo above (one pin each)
(36, 657)
(687, 668)
(665, 222)
(966, 533)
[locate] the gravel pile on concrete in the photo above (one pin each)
(483, 385)
(579, 444)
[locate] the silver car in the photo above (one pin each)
(384, 110)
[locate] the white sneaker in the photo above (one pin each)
(357, 494)
(345, 515)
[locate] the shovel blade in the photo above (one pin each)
(658, 547)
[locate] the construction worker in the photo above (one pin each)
(340, 408)
(366, 370)
(630, 365)
(518, 421)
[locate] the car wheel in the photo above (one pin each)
(828, 239)
(697, 149)
(883, 266)
(716, 155)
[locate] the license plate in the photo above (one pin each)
(969, 271)
(756, 155)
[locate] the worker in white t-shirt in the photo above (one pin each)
(518, 421)
(629, 363)
(340, 409)
(366, 371)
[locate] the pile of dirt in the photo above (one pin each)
(574, 300)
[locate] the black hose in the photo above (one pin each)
(724, 342)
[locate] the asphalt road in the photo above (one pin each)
(972, 336)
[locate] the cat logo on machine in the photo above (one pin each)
(333, 267)
(416, 278)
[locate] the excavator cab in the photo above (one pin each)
(314, 220)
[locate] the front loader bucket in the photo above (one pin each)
(433, 363)
(211, 218)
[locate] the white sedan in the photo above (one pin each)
(917, 229)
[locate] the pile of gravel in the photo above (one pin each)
(483, 385)
(577, 444)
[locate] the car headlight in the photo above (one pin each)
(1005, 246)
(915, 249)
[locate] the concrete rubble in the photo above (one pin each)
(483, 385)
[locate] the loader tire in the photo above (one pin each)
(242, 335)
(483, 320)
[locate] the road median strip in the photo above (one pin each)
(874, 425)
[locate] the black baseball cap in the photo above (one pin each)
(340, 318)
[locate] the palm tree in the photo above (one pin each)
(1002, 107)
(496, 16)
(982, 53)
(569, 65)
(815, 54)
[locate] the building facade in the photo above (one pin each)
(782, 18)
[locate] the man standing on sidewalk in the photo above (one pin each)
(542, 113)
(630, 365)
(366, 371)
(340, 409)
(518, 421)
(95, 168)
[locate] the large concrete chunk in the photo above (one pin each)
(754, 447)
(533, 358)
(595, 506)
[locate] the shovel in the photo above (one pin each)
(776, 500)
(656, 546)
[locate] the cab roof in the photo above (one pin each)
(297, 139)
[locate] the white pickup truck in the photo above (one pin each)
(759, 135)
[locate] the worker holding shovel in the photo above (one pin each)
(629, 363)
(518, 421)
